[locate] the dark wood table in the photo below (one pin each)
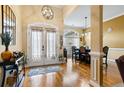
(13, 65)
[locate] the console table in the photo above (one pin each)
(17, 64)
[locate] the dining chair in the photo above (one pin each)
(105, 51)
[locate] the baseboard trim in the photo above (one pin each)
(92, 83)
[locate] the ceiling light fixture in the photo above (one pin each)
(47, 12)
(84, 31)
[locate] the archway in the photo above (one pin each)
(71, 38)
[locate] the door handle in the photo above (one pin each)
(43, 48)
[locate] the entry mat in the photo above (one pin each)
(43, 70)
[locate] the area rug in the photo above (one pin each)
(43, 70)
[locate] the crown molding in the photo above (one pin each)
(108, 19)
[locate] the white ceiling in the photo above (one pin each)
(58, 6)
(76, 18)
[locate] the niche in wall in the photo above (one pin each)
(9, 22)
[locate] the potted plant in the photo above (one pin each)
(6, 39)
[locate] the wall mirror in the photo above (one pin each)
(9, 22)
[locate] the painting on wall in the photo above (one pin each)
(9, 22)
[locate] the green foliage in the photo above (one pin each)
(6, 38)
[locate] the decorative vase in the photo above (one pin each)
(6, 55)
(6, 39)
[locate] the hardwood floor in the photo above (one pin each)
(71, 75)
(111, 75)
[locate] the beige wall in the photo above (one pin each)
(114, 39)
(18, 45)
(32, 14)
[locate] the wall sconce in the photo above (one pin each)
(109, 29)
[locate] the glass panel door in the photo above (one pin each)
(43, 47)
(37, 42)
(51, 45)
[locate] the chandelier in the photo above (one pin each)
(47, 12)
(84, 31)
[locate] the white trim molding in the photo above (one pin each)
(96, 54)
(117, 49)
(121, 14)
(95, 68)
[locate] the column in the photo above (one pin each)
(96, 45)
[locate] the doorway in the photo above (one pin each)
(42, 46)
